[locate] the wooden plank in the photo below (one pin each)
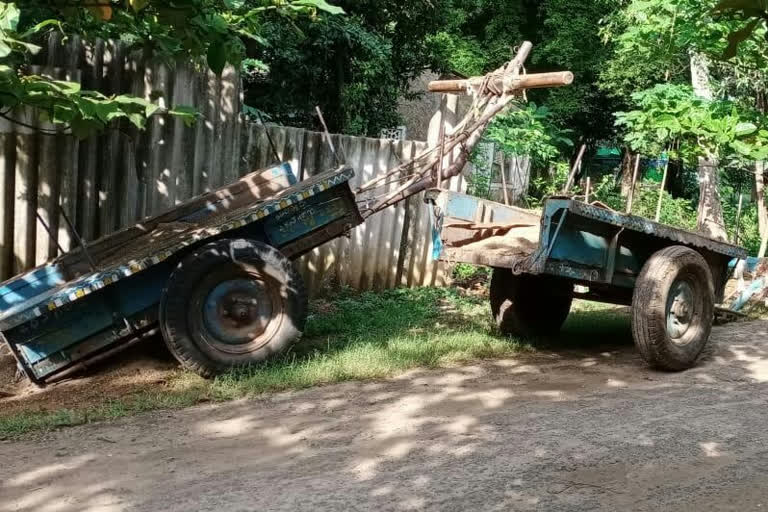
(386, 246)
(257, 185)
(87, 192)
(68, 199)
(406, 152)
(47, 199)
(181, 151)
(7, 204)
(25, 197)
(398, 218)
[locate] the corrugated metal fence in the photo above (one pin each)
(393, 248)
(117, 178)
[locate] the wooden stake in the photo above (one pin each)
(575, 168)
(586, 193)
(738, 218)
(504, 180)
(441, 150)
(328, 136)
(631, 197)
(661, 191)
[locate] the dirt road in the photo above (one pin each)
(568, 431)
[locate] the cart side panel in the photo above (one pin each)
(31, 284)
(586, 250)
(602, 247)
(80, 328)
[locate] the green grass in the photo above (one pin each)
(349, 337)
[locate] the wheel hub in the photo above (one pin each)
(237, 311)
(680, 309)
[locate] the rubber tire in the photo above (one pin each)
(649, 305)
(180, 288)
(529, 306)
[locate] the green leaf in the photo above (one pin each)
(68, 88)
(84, 128)
(9, 16)
(743, 129)
(138, 120)
(186, 113)
(234, 4)
(320, 5)
(31, 48)
(741, 147)
(5, 50)
(217, 57)
(40, 26)
(138, 5)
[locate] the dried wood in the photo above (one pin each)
(425, 170)
(501, 84)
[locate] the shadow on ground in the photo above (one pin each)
(577, 430)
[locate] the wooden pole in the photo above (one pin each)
(575, 168)
(738, 219)
(661, 191)
(504, 180)
(631, 197)
(441, 151)
(586, 193)
(503, 84)
(327, 135)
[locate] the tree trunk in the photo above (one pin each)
(762, 210)
(710, 215)
(700, 76)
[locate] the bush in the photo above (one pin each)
(680, 212)
(466, 272)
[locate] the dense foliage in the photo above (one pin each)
(170, 29)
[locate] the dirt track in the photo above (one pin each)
(570, 431)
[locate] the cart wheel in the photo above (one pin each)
(230, 304)
(672, 308)
(527, 305)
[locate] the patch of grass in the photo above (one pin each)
(348, 337)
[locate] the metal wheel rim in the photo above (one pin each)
(258, 295)
(681, 311)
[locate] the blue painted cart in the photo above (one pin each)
(214, 275)
(671, 278)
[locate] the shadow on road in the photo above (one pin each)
(570, 430)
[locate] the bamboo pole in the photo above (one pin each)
(631, 197)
